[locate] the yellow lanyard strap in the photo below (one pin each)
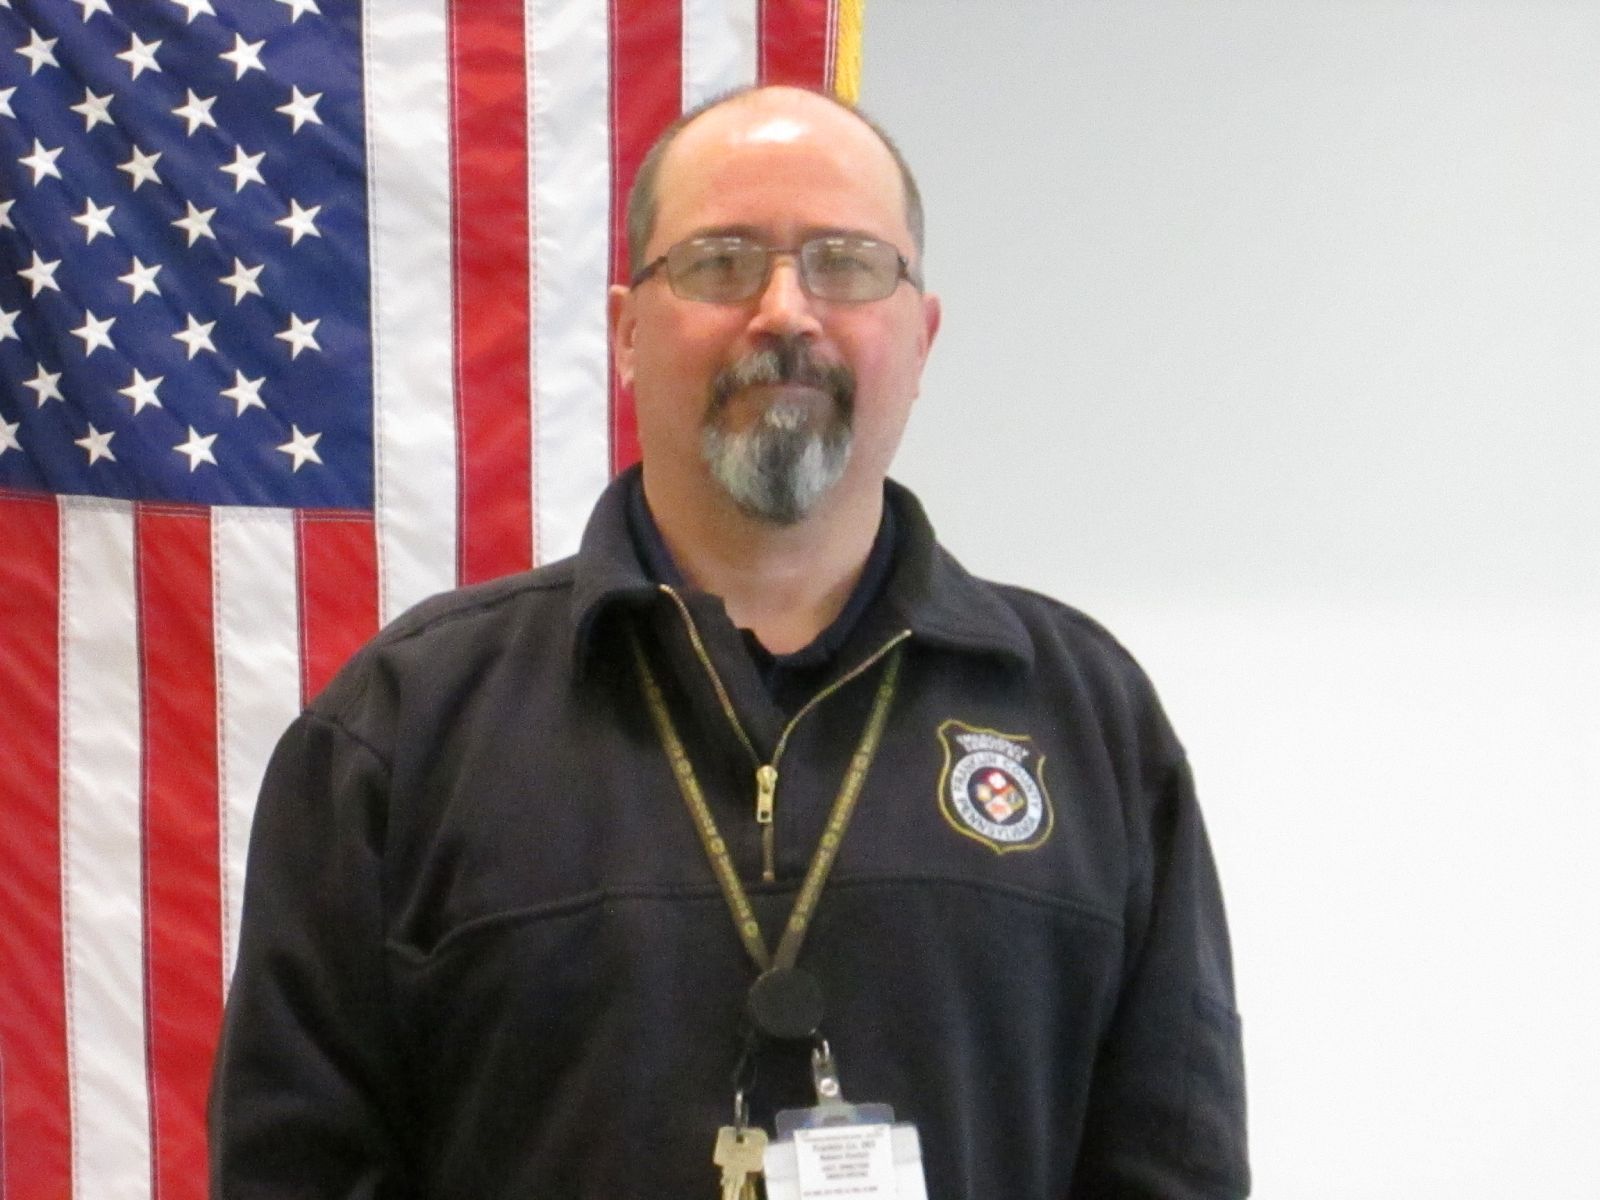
(744, 917)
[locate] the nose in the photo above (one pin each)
(783, 308)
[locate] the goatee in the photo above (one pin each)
(777, 469)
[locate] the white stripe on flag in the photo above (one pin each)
(719, 47)
(408, 167)
(569, 164)
(257, 614)
(102, 858)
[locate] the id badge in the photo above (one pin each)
(844, 1152)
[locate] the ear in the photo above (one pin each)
(932, 314)
(621, 321)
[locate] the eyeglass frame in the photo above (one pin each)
(651, 269)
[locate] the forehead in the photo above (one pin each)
(782, 164)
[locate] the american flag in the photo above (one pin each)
(302, 318)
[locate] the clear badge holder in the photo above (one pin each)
(841, 1151)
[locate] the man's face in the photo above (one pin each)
(781, 399)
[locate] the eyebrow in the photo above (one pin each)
(756, 234)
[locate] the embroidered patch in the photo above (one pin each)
(990, 792)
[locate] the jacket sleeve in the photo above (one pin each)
(305, 1093)
(1166, 1116)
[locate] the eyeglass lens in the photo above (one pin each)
(728, 270)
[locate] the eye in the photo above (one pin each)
(842, 258)
(715, 260)
(712, 265)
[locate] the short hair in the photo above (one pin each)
(643, 199)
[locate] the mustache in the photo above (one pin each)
(788, 360)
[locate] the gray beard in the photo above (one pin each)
(777, 470)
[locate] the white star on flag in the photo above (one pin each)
(245, 56)
(193, 8)
(300, 222)
(297, 7)
(245, 168)
(90, 7)
(300, 335)
(196, 111)
(95, 333)
(243, 280)
(95, 110)
(301, 108)
(41, 274)
(94, 220)
(97, 444)
(196, 224)
(8, 436)
(45, 385)
(302, 447)
(8, 324)
(196, 336)
(141, 279)
(142, 391)
(197, 448)
(141, 55)
(5, 214)
(5, 101)
(40, 52)
(246, 393)
(141, 168)
(42, 162)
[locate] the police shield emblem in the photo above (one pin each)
(992, 788)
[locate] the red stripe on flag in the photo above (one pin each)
(489, 148)
(646, 94)
(182, 837)
(794, 42)
(35, 1120)
(337, 561)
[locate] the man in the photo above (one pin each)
(758, 795)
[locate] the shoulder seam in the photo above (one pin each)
(1076, 616)
(339, 727)
(423, 625)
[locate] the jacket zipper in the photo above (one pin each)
(767, 773)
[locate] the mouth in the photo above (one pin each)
(780, 406)
(786, 375)
(768, 394)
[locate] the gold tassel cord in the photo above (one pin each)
(847, 50)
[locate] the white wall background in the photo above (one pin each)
(1272, 339)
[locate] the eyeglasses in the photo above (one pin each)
(839, 268)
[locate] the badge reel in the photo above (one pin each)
(839, 1150)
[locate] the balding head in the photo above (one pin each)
(780, 386)
(644, 199)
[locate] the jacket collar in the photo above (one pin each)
(928, 591)
(936, 598)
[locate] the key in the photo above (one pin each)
(740, 1153)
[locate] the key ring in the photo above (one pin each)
(741, 1110)
(825, 1074)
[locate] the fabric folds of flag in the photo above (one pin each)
(302, 319)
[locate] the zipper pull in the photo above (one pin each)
(766, 792)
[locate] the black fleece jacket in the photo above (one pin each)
(484, 955)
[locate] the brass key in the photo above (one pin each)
(740, 1153)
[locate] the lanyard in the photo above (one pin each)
(744, 917)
